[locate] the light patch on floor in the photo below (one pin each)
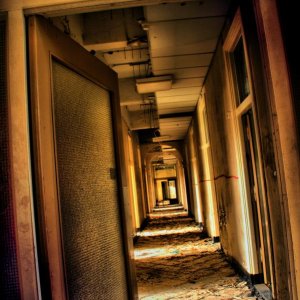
(174, 262)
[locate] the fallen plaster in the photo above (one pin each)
(174, 262)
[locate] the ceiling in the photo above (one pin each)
(177, 39)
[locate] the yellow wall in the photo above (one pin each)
(235, 229)
(135, 187)
(206, 175)
(137, 168)
(166, 173)
(158, 190)
(192, 161)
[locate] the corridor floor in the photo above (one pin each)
(174, 262)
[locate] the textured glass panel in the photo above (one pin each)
(92, 241)
(241, 72)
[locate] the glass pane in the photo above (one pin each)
(92, 240)
(241, 75)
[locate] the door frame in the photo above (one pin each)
(45, 43)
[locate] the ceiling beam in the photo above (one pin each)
(177, 115)
(146, 24)
(185, 54)
(77, 7)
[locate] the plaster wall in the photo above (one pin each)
(135, 184)
(206, 175)
(193, 175)
(132, 216)
(165, 173)
(233, 228)
(138, 177)
(158, 189)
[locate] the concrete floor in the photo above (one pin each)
(175, 262)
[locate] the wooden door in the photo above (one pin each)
(81, 188)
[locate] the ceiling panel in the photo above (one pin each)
(166, 122)
(193, 60)
(184, 72)
(176, 109)
(179, 92)
(182, 10)
(126, 56)
(176, 128)
(127, 71)
(189, 82)
(178, 99)
(197, 48)
(177, 39)
(177, 104)
(184, 37)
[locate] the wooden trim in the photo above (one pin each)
(19, 151)
(244, 106)
(234, 33)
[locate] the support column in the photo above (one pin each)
(20, 156)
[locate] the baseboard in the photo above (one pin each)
(135, 239)
(142, 227)
(144, 224)
(215, 239)
(252, 279)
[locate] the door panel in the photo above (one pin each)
(77, 149)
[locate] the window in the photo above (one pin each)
(240, 72)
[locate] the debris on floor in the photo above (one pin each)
(175, 261)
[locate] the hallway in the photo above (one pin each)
(149, 150)
(176, 261)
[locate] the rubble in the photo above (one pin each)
(175, 261)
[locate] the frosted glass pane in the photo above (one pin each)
(92, 241)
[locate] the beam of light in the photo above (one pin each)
(163, 232)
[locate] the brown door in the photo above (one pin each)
(77, 154)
